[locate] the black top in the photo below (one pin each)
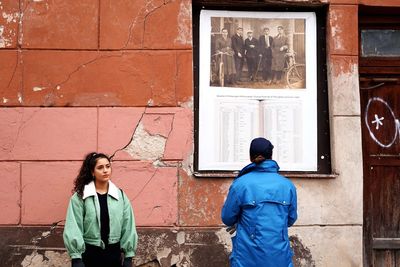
(104, 218)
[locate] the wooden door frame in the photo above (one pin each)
(376, 71)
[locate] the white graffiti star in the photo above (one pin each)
(378, 121)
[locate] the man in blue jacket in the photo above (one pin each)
(261, 205)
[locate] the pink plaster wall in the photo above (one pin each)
(46, 188)
(46, 146)
(10, 193)
(152, 191)
(116, 128)
(47, 133)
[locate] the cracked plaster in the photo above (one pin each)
(145, 146)
(141, 17)
(48, 259)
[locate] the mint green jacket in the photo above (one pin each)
(83, 222)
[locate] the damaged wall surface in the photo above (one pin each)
(117, 77)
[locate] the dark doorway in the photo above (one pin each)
(380, 118)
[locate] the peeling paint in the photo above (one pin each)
(3, 41)
(10, 17)
(20, 98)
(187, 164)
(7, 33)
(180, 260)
(5, 100)
(184, 24)
(188, 104)
(49, 259)
(46, 234)
(163, 254)
(344, 69)
(145, 146)
(336, 31)
(180, 238)
(37, 88)
(224, 238)
(303, 254)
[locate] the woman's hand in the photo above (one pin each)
(77, 263)
(127, 262)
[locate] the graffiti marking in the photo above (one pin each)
(395, 130)
(378, 121)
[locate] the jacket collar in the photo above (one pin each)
(90, 190)
(268, 165)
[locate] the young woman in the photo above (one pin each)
(100, 227)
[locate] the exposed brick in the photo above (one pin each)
(10, 78)
(46, 189)
(152, 191)
(342, 30)
(60, 24)
(9, 20)
(99, 78)
(47, 133)
(116, 128)
(10, 193)
(145, 24)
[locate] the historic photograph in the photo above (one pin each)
(258, 52)
(257, 77)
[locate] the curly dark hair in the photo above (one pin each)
(85, 174)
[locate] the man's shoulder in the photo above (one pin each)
(286, 180)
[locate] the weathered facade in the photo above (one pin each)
(117, 77)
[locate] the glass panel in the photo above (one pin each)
(380, 43)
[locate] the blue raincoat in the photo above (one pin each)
(262, 204)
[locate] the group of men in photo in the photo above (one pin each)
(265, 55)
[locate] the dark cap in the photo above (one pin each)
(261, 146)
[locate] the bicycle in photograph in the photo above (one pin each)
(218, 69)
(295, 73)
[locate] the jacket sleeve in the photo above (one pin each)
(73, 229)
(129, 237)
(231, 209)
(293, 208)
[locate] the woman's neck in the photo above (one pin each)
(101, 188)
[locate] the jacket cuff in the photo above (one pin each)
(129, 254)
(76, 256)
